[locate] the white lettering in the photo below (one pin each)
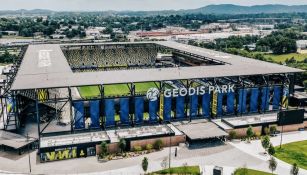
(201, 90)
(211, 89)
(231, 88)
(183, 92)
(224, 88)
(175, 92)
(217, 89)
(167, 93)
(192, 91)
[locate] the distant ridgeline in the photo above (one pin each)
(210, 9)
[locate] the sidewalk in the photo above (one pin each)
(228, 156)
(255, 149)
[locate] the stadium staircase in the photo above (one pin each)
(10, 120)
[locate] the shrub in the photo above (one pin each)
(249, 133)
(104, 149)
(257, 135)
(271, 150)
(232, 135)
(122, 145)
(137, 148)
(145, 164)
(273, 129)
(266, 131)
(149, 147)
(265, 142)
(158, 144)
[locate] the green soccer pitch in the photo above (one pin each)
(87, 92)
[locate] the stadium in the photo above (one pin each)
(67, 98)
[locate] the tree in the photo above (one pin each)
(122, 145)
(158, 144)
(271, 150)
(249, 133)
(265, 142)
(232, 134)
(104, 149)
(294, 169)
(273, 129)
(272, 164)
(145, 164)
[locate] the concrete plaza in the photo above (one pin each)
(229, 155)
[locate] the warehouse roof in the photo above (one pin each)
(45, 66)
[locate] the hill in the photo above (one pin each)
(210, 9)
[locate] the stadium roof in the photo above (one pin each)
(41, 70)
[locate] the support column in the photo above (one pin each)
(101, 90)
(37, 119)
(70, 108)
(132, 94)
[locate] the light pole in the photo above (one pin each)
(29, 153)
(170, 150)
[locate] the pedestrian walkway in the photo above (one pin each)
(229, 156)
(254, 148)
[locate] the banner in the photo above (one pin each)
(206, 105)
(214, 104)
(153, 109)
(193, 105)
(254, 100)
(220, 104)
(42, 95)
(59, 154)
(10, 104)
(124, 111)
(79, 115)
(242, 101)
(265, 98)
(230, 102)
(285, 96)
(139, 109)
(109, 112)
(161, 113)
(94, 113)
(180, 107)
(276, 97)
(167, 112)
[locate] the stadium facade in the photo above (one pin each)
(84, 91)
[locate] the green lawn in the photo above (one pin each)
(242, 171)
(282, 58)
(143, 87)
(89, 91)
(114, 90)
(191, 170)
(295, 152)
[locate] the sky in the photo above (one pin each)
(102, 5)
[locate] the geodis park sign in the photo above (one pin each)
(153, 93)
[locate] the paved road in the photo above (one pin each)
(229, 155)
